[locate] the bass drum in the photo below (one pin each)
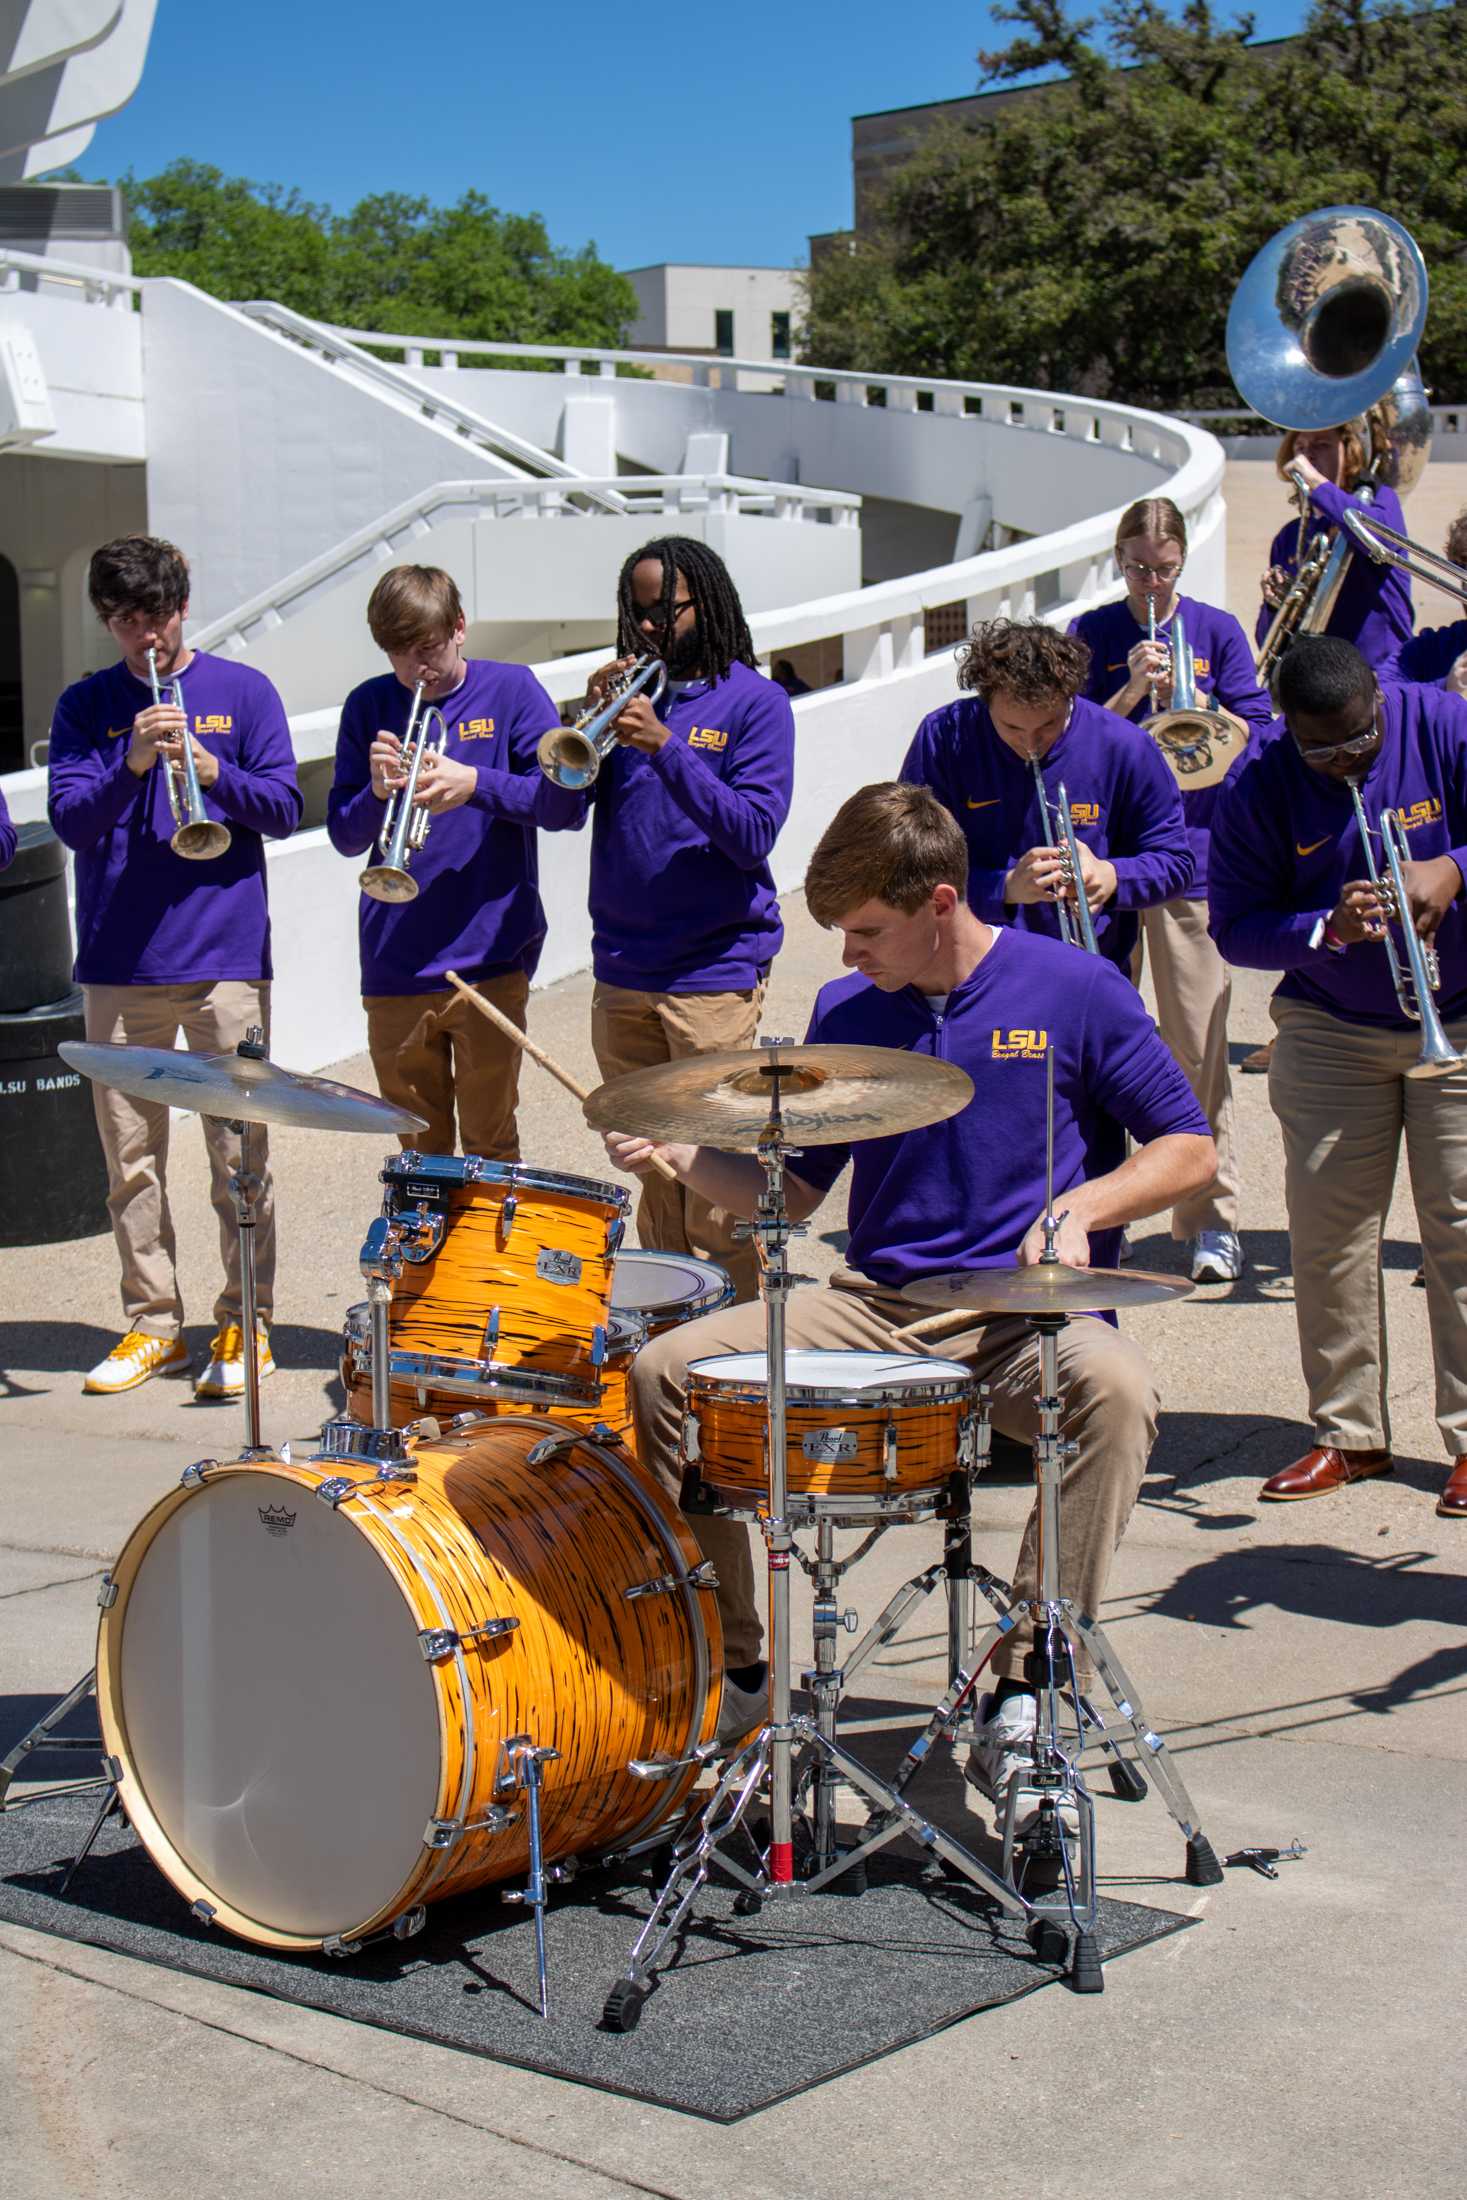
(309, 1682)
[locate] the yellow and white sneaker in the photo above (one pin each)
(224, 1377)
(133, 1359)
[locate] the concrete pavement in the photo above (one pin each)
(1308, 1663)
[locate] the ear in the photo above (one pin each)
(944, 900)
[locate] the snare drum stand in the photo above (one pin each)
(768, 1755)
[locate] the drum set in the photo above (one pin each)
(471, 1640)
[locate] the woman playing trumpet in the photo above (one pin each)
(1131, 666)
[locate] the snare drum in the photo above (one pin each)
(666, 1289)
(506, 1276)
(626, 1335)
(865, 1432)
(308, 1681)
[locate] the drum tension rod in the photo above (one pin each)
(701, 1576)
(441, 1642)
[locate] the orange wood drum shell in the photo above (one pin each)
(542, 1266)
(481, 1533)
(920, 1441)
(410, 1402)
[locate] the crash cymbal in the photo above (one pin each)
(827, 1096)
(1048, 1287)
(242, 1087)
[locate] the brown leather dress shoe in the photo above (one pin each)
(1327, 1468)
(1452, 1504)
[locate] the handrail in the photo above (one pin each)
(71, 273)
(738, 491)
(318, 336)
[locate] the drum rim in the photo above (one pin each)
(491, 1378)
(626, 1334)
(809, 1509)
(711, 1300)
(937, 1390)
(469, 1169)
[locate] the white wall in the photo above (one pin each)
(678, 303)
(91, 356)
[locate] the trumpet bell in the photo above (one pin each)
(567, 758)
(388, 882)
(1327, 316)
(201, 841)
(1198, 746)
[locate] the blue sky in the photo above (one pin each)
(673, 132)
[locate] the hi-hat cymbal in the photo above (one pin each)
(827, 1096)
(1047, 1287)
(241, 1087)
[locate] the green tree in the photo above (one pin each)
(392, 263)
(1089, 237)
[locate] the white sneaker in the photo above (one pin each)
(133, 1359)
(224, 1377)
(1217, 1257)
(741, 1713)
(1003, 1754)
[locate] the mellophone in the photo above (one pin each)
(482, 1643)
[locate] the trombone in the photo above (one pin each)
(199, 837)
(571, 756)
(1419, 977)
(404, 828)
(1076, 927)
(1386, 547)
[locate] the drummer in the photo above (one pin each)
(930, 976)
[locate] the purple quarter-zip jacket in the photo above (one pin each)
(1373, 608)
(964, 1193)
(682, 895)
(1224, 667)
(478, 909)
(7, 835)
(145, 916)
(1124, 805)
(1285, 843)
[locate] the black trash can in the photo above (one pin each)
(53, 1179)
(35, 927)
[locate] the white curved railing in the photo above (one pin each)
(97, 285)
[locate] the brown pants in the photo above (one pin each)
(1110, 1408)
(1343, 1101)
(1194, 988)
(431, 1050)
(631, 1030)
(134, 1133)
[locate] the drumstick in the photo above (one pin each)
(933, 1325)
(538, 1054)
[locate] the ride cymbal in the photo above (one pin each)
(1046, 1287)
(827, 1096)
(241, 1087)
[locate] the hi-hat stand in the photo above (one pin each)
(768, 1757)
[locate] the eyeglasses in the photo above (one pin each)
(1135, 571)
(1358, 744)
(652, 614)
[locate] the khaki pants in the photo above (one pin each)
(1193, 990)
(1343, 1100)
(1110, 1407)
(213, 1019)
(631, 1030)
(431, 1049)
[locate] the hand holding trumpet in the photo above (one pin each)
(443, 782)
(1043, 875)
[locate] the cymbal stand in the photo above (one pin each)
(1055, 1793)
(244, 1190)
(768, 1755)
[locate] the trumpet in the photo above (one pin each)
(404, 828)
(199, 837)
(571, 756)
(1198, 739)
(1076, 928)
(1417, 979)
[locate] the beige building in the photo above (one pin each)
(728, 312)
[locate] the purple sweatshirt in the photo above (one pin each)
(145, 916)
(1224, 667)
(964, 1193)
(1285, 842)
(478, 909)
(7, 836)
(1430, 655)
(1373, 608)
(682, 896)
(1124, 805)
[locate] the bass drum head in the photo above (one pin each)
(271, 1706)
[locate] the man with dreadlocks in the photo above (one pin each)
(686, 809)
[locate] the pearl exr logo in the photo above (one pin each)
(1020, 1045)
(275, 1520)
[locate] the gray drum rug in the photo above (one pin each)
(752, 2010)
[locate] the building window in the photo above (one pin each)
(779, 336)
(723, 331)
